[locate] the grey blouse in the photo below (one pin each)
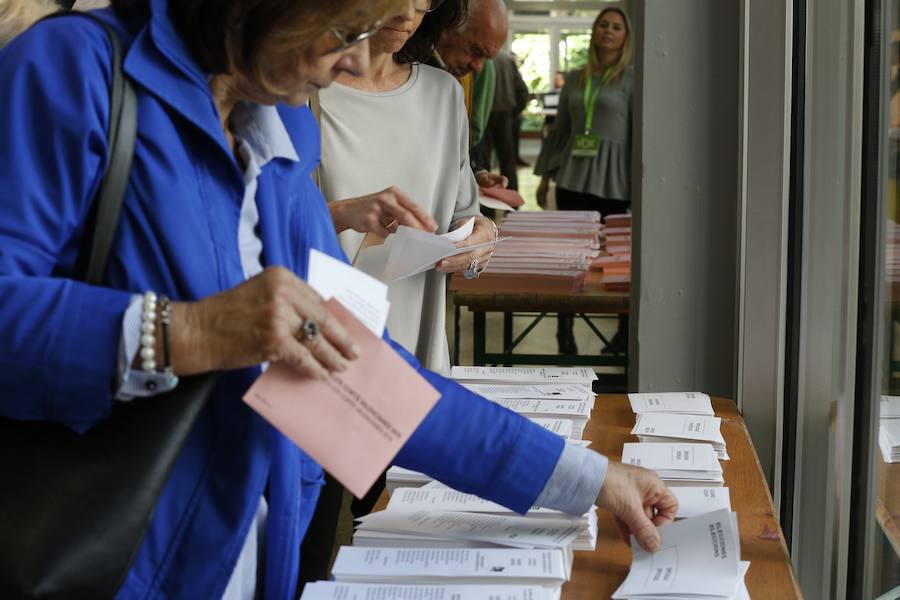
(607, 174)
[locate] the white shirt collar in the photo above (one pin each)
(263, 131)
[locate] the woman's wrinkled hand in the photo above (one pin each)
(541, 193)
(484, 231)
(380, 213)
(639, 500)
(259, 321)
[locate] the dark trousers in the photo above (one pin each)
(317, 544)
(500, 139)
(571, 200)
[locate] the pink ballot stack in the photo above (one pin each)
(616, 262)
(555, 246)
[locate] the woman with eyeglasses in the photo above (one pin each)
(219, 215)
(402, 127)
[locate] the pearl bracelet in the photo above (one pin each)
(148, 333)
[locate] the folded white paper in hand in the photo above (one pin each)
(409, 252)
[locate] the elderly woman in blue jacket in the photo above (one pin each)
(220, 214)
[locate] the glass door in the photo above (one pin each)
(874, 571)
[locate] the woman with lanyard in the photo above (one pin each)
(587, 152)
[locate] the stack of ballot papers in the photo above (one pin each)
(656, 427)
(889, 439)
(454, 529)
(553, 248)
(461, 566)
(677, 464)
(332, 590)
(700, 558)
(524, 375)
(574, 412)
(684, 403)
(435, 496)
(694, 501)
(616, 263)
(540, 391)
(889, 407)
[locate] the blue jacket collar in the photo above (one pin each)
(159, 61)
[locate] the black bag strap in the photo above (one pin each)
(103, 218)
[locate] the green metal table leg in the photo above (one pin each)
(478, 338)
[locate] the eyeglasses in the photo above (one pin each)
(427, 6)
(348, 39)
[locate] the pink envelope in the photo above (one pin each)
(355, 422)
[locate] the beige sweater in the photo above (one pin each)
(415, 138)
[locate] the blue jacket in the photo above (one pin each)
(178, 235)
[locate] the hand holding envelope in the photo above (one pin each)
(372, 407)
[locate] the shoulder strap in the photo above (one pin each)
(103, 217)
(316, 107)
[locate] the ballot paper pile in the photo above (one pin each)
(544, 395)
(677, 464)
(616, 261)
(889, 440)
(558, 399)
(435, 496)
(436, 574)
(700, 558)
(677, 417)
(555, 247)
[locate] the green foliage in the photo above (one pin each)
(533, 50)
(573, 50)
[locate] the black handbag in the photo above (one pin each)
(74, 508)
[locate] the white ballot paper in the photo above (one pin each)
(687, 403)
(698, 558)
(677, 464)
(667, 427)
(515, 532)
(500, 391)
(889, 439)
(694, 501)
(411, 251)
(364, 296)
(561, 427)
(890, 407)
(524, 375)
(332, 590)
(451, 565)
(566, 409)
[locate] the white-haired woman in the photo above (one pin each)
(588, 150)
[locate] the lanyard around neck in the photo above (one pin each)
(590, 100)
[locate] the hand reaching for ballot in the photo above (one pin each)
(380, 213)
(485, 231)
(640, 502)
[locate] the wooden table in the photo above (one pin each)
(514, 295)
(597, 574)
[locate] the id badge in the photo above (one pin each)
(586, 145)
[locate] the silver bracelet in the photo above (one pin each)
(148, 333)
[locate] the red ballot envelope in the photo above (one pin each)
(355, 422)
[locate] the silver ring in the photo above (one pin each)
(472, 272)
(309, 331)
